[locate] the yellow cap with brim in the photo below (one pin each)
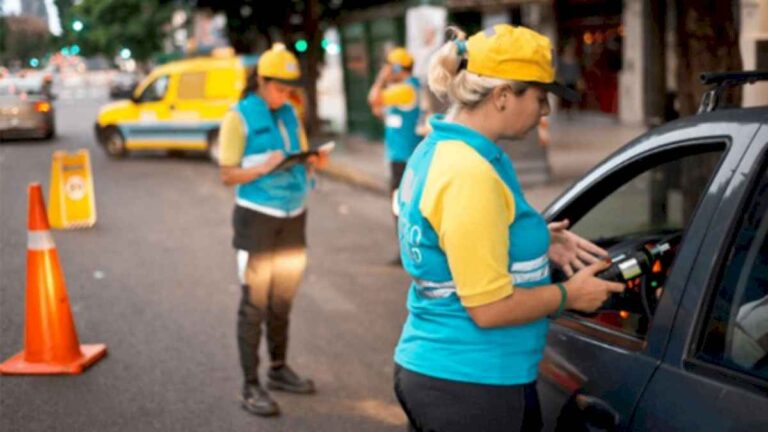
(279, 64)
(515, 54)
(399, 56)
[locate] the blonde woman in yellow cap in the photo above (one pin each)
(269, 220)
(394, 96)
(478, 254)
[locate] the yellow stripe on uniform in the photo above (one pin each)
(461, 201)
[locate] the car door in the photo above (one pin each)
(714, 376)
(596, 366)
(203, 97)
(151, 128)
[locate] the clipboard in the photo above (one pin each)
(300, 158)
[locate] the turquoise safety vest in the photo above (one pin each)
(280, 193)
(400, 138)
(439, 337)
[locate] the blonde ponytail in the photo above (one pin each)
(444, 65)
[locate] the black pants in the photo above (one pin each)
(276, 262)
(396, 171)
(437, 405)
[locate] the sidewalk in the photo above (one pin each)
(577, 145)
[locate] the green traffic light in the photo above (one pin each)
(77, 25)
(325, 43)
(74, 49)
(301, 45)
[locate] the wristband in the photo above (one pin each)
(563, 300)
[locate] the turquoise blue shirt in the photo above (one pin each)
(467, 237)
(401, 119)
(281, 193)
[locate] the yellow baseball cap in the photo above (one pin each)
(399, 56)
(515, 54)
(279, 64)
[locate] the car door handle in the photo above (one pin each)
(597, 413)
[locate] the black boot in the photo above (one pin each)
(256, 401)
(285, 379)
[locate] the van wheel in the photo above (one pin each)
(114, 142)
(213, 146)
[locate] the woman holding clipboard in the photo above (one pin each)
(269, 219)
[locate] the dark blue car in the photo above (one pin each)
(685, 348)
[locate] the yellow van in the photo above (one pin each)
(178, 106)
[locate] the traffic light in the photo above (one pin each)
(125, 53)
(301, 45)
(77, 25)
(74, 49)
(34, 62)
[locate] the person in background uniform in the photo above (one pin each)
(477, 252)
(395, 97)
(269, 220)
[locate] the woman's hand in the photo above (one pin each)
(586, 293)
(273, 160)
(570, 251)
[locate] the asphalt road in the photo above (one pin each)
(155, 281)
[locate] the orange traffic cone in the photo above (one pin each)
(50, 339)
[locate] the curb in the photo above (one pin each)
(344, 173)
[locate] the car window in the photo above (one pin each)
(641, 223)
(192, 85)
(156, 90)
(735, 333)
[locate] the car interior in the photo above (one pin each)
(639, 215)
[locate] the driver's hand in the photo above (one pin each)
(570, 251)
(586, 293)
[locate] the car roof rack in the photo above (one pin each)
(723, 81)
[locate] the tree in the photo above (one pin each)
(24, 37)
(253, 25)
(707, 41)
(109, 26)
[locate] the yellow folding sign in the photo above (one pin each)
(71, 200)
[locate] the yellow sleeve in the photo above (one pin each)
(231, 139)
(471, 209)
(398, 94)
(303, 142)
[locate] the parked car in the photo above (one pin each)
(123, 84)
(178, 106)
(685, 348)
(26, 108)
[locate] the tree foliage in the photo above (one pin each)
(109, 26)
(23, 37)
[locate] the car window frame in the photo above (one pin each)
(691, 362)
(608, 183)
